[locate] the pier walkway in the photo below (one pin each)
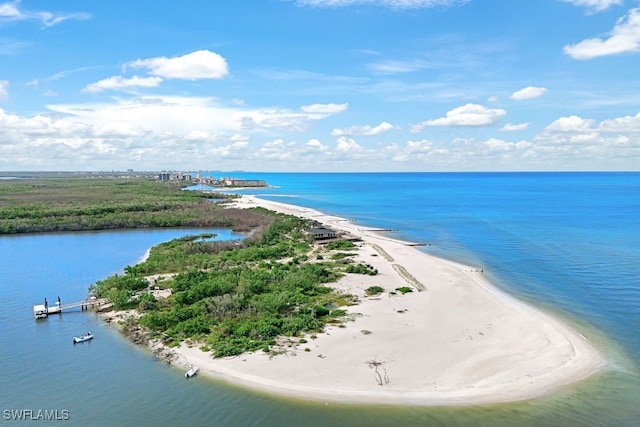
(41, 311)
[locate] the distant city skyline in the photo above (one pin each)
(320, 85)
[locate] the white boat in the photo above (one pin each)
(83, 338)
(191, 372)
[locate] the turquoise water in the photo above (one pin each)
(567, 242)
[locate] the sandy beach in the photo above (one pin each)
(455, 340)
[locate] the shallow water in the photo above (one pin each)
(567, 242)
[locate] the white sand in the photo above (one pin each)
(460, 341)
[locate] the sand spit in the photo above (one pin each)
(458, 341)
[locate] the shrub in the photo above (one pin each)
(340, 244)
(320, 311)
(404, 289)
(374, 290)
(361, 269)
(341, 255)
(338, 313)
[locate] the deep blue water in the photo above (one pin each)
(569, 242)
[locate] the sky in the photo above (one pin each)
(320, 85)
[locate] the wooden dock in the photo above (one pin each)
(42, 311)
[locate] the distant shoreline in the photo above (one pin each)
(461, 341)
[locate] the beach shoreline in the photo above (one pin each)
(456, 340)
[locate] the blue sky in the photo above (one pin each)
(320, 85)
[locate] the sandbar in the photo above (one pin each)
(455, 340)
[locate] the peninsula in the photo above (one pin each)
(454, 340)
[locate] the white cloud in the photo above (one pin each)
(50, 19)
(284, 119)
(201, 64)
(514, 128)
(100, 134)
(314, 145)
(419, 146)
(4, 93)
(346, 145)
(424, 151)
(11, 11)
(566, 132)
(117, 130)
(594, 5)
(466, 115)
(324, 109)
(122, 83)
(500, 145)
(393, 4)
(273, 118)
(528, 92)
(625, 38)
(178, 115)
(276, 150)
(363, 130)
(198, 135)
(71, 130)
(626, 124)
(396, 66)
(570, 124)
(11, 46)
(168, 132)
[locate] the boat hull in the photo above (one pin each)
(83, 338)
(191, 373)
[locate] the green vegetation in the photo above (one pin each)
(233, 296)
(230, 296)
(340, 245)
(74, 204)
(404, 289)
(342, 255)
(374, 290)
(361, 269)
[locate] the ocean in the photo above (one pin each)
(566, 242)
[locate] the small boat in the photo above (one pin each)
(191, 372)
(83, 338)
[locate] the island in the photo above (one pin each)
(395, 325)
